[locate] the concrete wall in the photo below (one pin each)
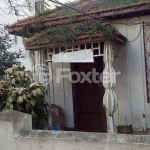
(16, 133)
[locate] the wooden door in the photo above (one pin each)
(89, 113)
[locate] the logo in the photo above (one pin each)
(42, 74)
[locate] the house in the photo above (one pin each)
(126, 52)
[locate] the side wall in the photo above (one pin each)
(61, 91)
(131, 84)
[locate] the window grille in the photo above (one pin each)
(96, 47)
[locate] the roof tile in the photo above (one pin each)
(83, 4)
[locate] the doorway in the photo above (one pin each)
(89, 114)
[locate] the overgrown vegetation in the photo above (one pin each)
(118, 3)
(97, 5)
(7, 58)
(19, 93)
(68, 33)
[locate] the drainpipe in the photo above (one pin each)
(109, 81)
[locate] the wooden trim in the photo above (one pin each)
(72, 66)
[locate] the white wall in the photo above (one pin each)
(131, 84)
(61, 93)
(57, 93)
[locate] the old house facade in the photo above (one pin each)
(83, 102)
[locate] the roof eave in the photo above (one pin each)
(117, 37)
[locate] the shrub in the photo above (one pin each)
(19, 93)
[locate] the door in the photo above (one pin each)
(89, 113)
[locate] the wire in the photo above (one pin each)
(137, 35)
(6, 17)
(93, 16)
(2, 25)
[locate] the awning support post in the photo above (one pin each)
(109, 81)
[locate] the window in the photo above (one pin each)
(96, 47)
(39, 6)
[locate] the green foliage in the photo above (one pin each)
(17, 92)
(68, 33)
(118, 3)
(37, 25)
(7, 58)
(97, 5)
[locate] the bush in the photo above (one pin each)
(19, 93)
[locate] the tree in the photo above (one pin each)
(7, 58)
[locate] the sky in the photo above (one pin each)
(9, 19)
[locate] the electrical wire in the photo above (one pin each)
(96, 17)
(137, 35)
(2, 25)
(6, 17)
(85, 13)
(92, 16)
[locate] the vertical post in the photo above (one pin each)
(109, 81)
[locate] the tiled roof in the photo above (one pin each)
(60, 13)
(31, 43)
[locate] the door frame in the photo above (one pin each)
(72, 66)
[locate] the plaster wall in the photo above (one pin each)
(16, 134)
